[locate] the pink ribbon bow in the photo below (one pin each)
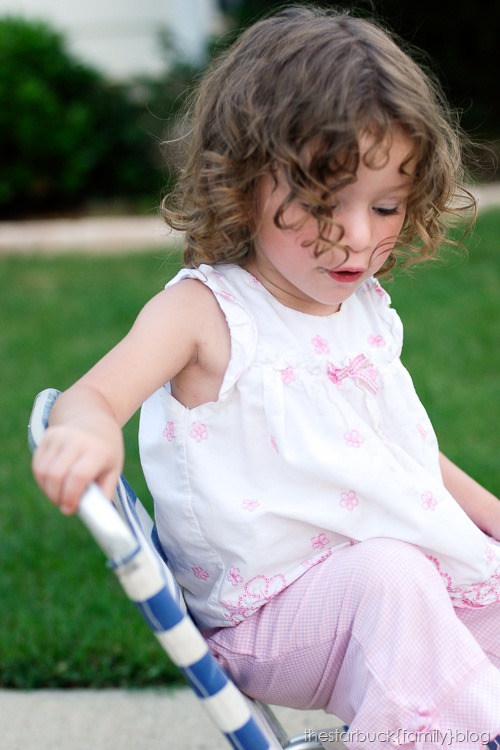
(359, 368)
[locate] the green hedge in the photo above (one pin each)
(66, 134)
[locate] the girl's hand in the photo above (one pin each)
(73, 455)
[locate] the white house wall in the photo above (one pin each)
(121, 36)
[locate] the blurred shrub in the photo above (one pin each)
(163, 99)
(66, 134)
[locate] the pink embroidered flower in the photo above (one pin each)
(349, 500)
(250, 505)
(446, 578)
(287, 375)
(422, 431)
(234, 576)
(198, 431)
(490, 555)
(275, 444)
(200, 572)
(320, 541)
(378, 290)
(429, 502)
(169, 431)
(226, 295)
(320, 345)
(312, 561)
(474, 594)
(263, 588)
(259, 590)
(376, 341)
(353, 439)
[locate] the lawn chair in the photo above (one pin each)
(128, 538)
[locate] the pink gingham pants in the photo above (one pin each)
(370, 635)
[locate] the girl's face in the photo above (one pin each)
(371, 211)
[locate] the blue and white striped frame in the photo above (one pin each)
(127, 536)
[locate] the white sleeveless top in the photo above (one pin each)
(317, 440)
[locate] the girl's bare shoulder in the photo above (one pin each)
(197, 313)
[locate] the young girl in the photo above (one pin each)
(332, 557)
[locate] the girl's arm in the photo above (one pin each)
(481, 506)
(179, 330)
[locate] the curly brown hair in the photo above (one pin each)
(295, 92)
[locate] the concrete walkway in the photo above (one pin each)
(123, 720)
(97, 235)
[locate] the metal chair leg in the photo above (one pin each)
(273, 728)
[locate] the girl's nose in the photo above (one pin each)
(357, 232)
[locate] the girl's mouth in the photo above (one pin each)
(346, 276)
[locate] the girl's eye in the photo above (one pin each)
(387, 211)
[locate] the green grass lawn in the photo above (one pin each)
(63, 618)
(451, 313)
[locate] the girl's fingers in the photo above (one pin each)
(108, 484)
(51, 462)
(75, 482)
(65, 467)
(84, 471)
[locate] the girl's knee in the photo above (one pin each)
(384, 563)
